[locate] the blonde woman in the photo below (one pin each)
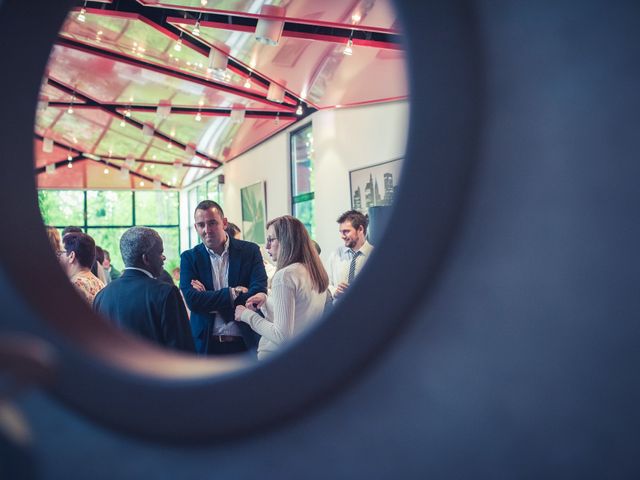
(298, 288)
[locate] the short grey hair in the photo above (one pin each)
(135, 242)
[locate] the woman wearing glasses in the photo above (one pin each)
(298, 288)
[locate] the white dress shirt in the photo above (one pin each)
(220, 274)
(337, 264)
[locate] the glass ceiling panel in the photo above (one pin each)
(136, 37)
(377, 15)
(316, 70)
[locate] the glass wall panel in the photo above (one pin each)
(157, 208)
(305, 212)
(109, 239)
(171, 241)
(61, 207)
(302, 177)
(105, 207)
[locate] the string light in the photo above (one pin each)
(247, 82)
(299, 109)
(198, 116)
(178, 46)
(106, 171)
(82, 15)
(348, 50)
(277, 121)
(70, 109)
(196, 28)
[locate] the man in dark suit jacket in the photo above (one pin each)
(139, 303)
(215, 276)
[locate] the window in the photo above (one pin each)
(106, 214)
(302, 178)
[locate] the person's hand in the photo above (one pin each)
(197, 284)
(341, 289)
(240, 289)
(256, 301)
(238, 312)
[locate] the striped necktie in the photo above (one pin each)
(352, 266)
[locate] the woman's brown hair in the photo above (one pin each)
(296, 247)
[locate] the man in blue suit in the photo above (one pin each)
(139, 303)
(215, 276)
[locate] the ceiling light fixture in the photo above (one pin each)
(203, 3)
(47, 145)
(198, 116)
(276, 91)
(106, 171)
(219, 58)
(164, 109)
(196, 29)
(299, 110)
(247, 82)
(82, 15)
(277, 120)
(141, 183)
(70, 109)
(147, 130)
(348, 50)
(237, 113)
(178, 46)
(50, 168)
(270, 25)
(129, 162)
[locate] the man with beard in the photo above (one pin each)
(345, 263)
(215, 276)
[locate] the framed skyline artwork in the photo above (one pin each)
(376, 185)
(254, 212)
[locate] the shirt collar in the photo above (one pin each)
(225, 251)
(146, 272)
(365, 249)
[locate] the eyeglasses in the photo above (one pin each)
(271, 240)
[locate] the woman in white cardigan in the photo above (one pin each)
(298, 288)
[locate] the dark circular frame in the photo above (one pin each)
(141, 390)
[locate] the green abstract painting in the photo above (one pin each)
(254, 212)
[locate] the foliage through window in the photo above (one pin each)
(302, 177)
(106, 214)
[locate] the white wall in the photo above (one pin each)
(344, 139)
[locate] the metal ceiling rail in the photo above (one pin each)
(113, 112)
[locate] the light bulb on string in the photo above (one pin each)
(196, 29)
(299, 109)
(82, 15)
(247, 82)
(198, 116)
(277, 120)
(178, 46)
(348, 50)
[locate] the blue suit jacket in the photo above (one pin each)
(246, 269)
(147, 307)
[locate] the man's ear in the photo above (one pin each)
(145, 259)
(72, 257)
